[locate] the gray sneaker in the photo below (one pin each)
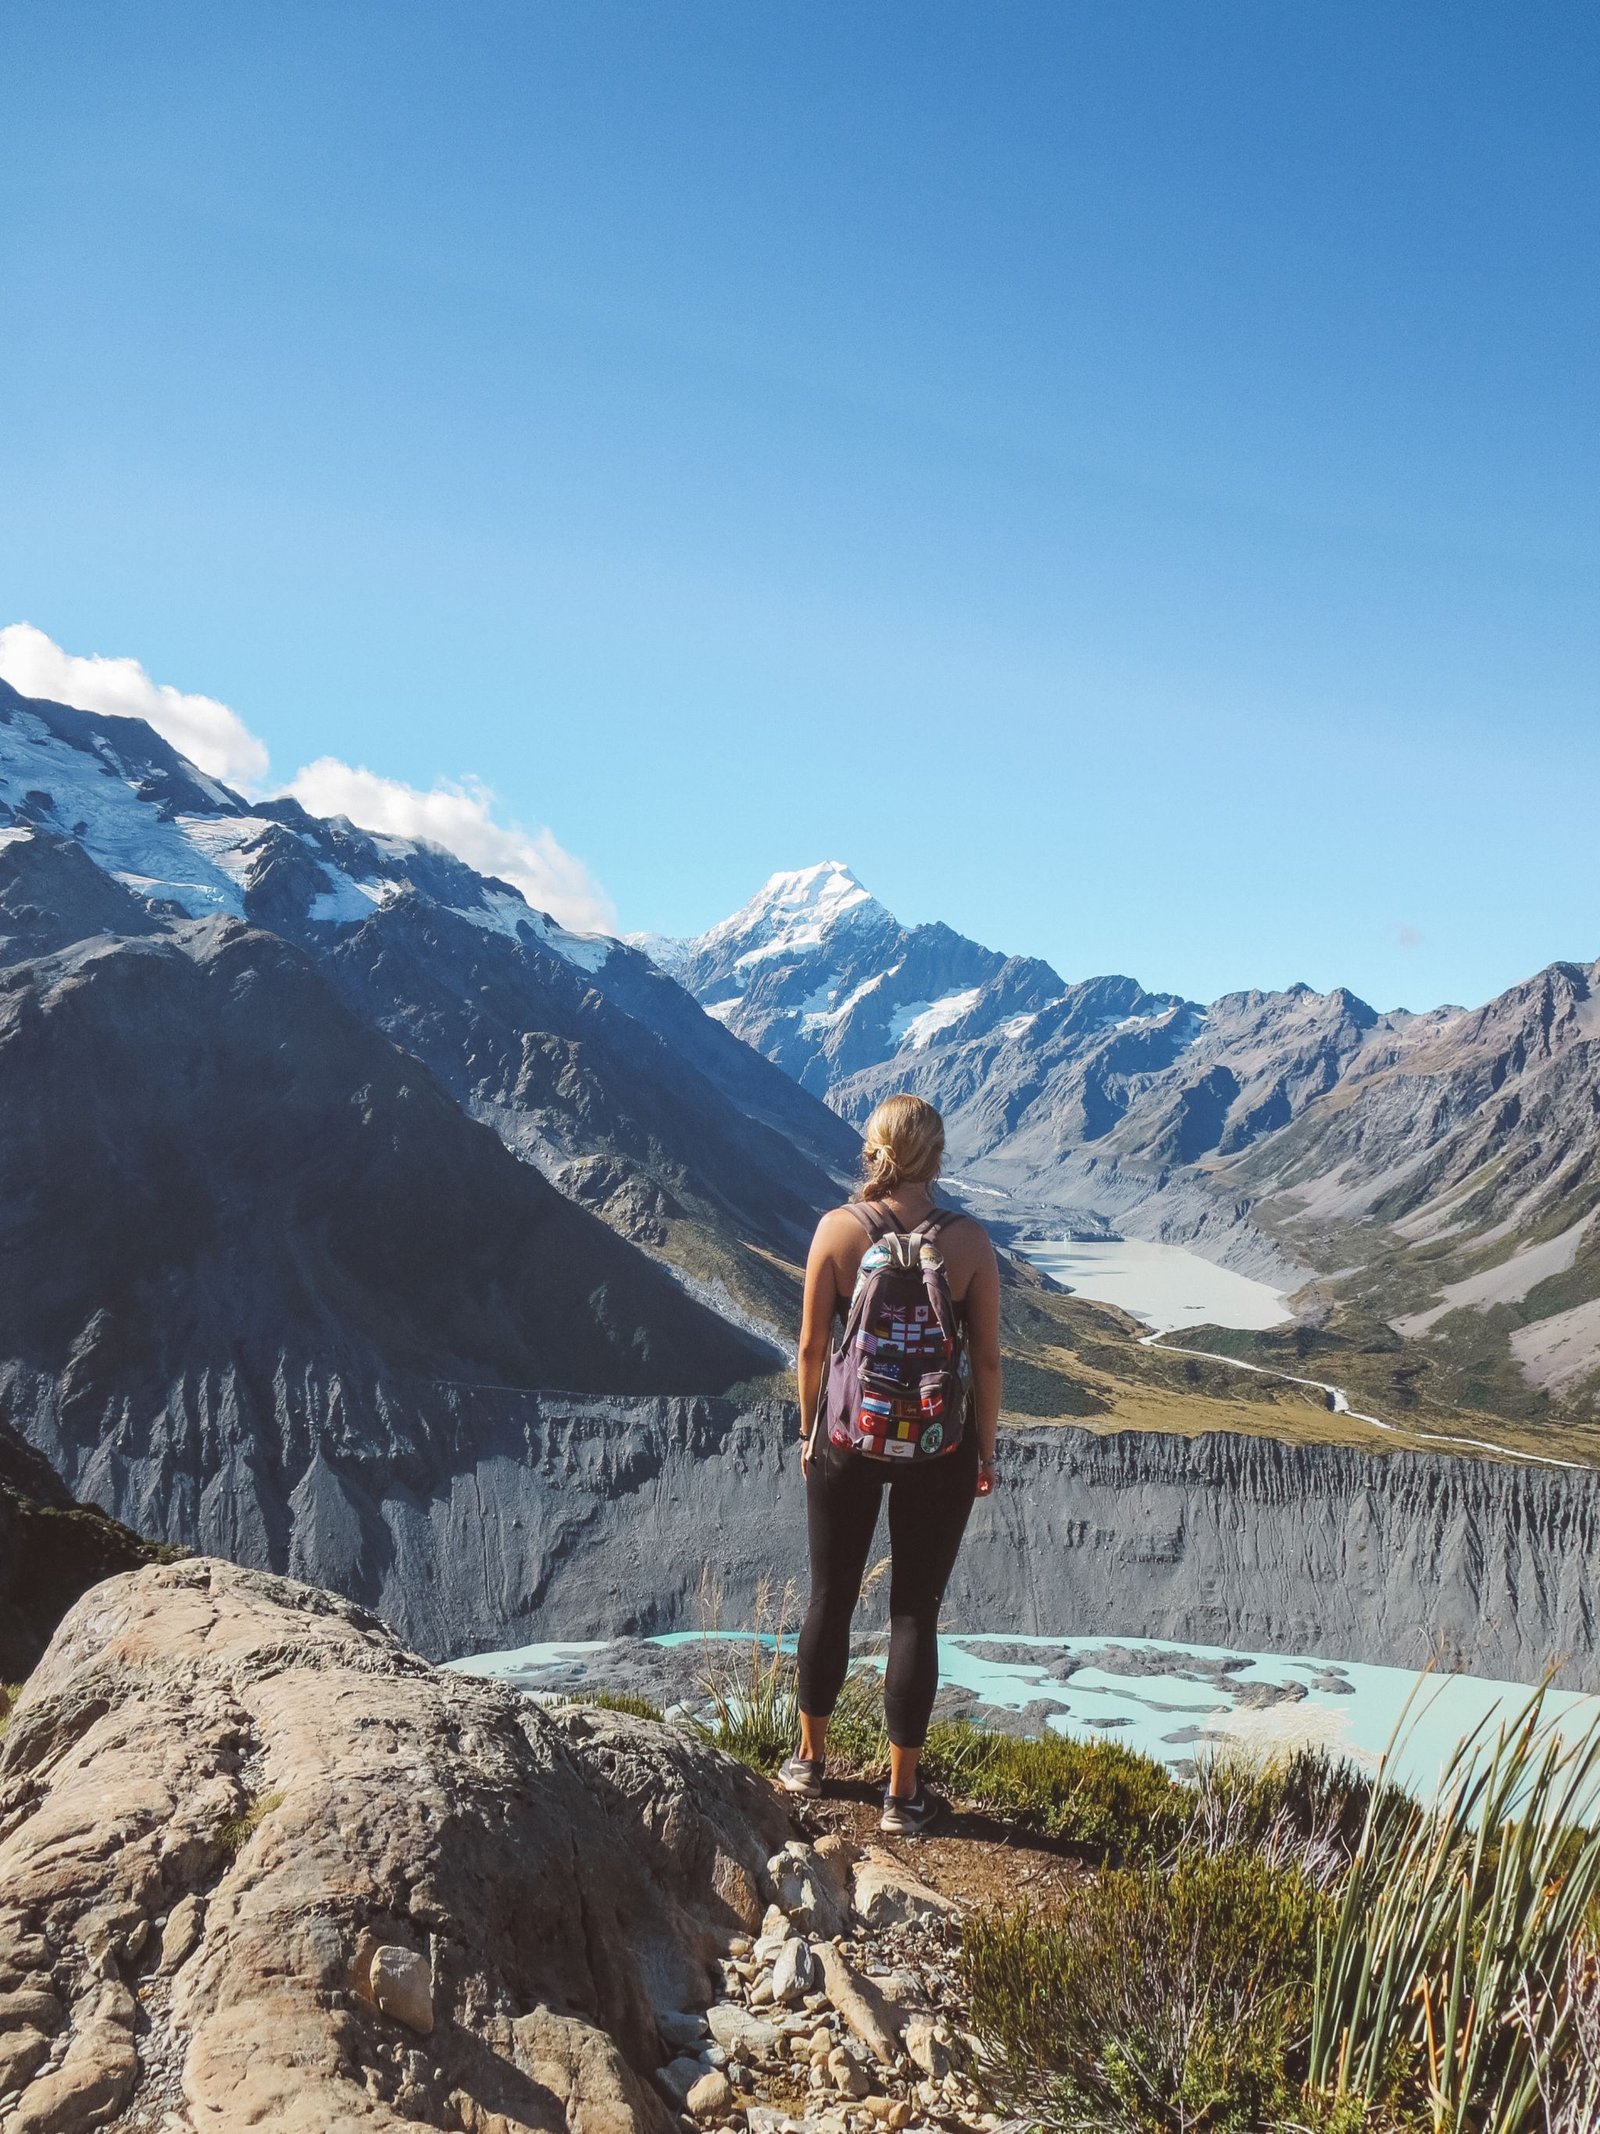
(909, 1819)
(803, 1775)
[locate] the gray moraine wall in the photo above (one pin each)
(475, 1519)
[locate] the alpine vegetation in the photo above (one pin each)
(1432, 1967)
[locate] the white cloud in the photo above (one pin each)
(458, 816)
(209, 733)
(214, 737)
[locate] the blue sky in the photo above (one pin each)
(1121, 476)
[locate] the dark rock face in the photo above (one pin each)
(526, 1043)
(208, 1165)
(52, 894)
(51, 1549)
(475, 1520)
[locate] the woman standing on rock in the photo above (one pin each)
(889, 1411)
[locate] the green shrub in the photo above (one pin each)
(9, 1693)
(1153, 2001)
(1096, 1795)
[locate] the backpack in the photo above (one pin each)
(895, 1389)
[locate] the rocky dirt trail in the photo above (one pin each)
(261, 1868)
(845, 2014)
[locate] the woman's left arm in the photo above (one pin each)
(822, 1289)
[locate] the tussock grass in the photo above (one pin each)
(1306, 1809)
(617, 1700)
(1461, 1944)
(748, 1683)
(237, 1833)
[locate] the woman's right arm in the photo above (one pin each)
(822, 1289)
(982, 1303)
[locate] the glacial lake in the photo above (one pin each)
(1173, 1701)
(1164, 1285)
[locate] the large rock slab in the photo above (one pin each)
(239, 1822)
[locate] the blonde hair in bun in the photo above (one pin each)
(903, 1146)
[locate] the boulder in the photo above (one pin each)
(867, 2015)
(21, 2049)
(91, 2085)
(308, 1807)
(794, 1972)
(711, 2096)
(679, 2077)
(926, 2049)
(742, 2036)
(680, 2030)
(810, 1890)
(401, 1983)
(847, 2075)
(181, 1934)
(889, 1895)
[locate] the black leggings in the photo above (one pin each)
(928, 1508)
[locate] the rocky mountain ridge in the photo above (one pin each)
(209, 1165)
(587, 1061)
(1436, 1169)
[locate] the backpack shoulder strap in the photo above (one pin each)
(873, 1218)
(941, 1219)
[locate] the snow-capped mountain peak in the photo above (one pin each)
(793, 913)
(818, 974)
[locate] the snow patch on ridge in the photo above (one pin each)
(349, 902)
(914, 1027)
(503, 911)
(813, 1018)
(90, 799)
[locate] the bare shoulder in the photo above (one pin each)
(838, 1226)
(968, 1252)
(839, 1238)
